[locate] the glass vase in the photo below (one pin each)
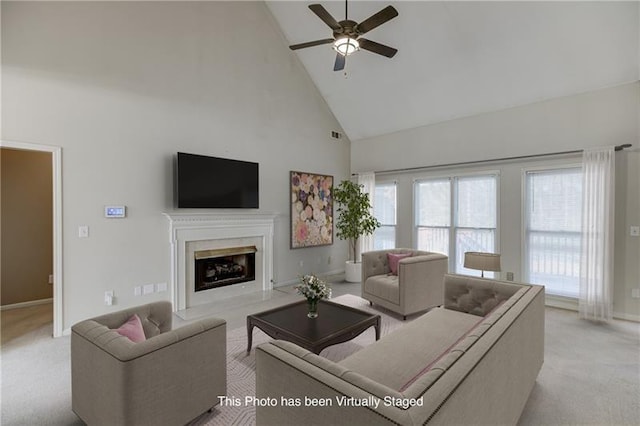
(312, 305)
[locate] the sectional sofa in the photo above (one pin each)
(472, 361)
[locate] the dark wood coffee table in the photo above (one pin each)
(335, 323)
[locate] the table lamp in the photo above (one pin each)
(482, 261)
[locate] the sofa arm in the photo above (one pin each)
(286, 372)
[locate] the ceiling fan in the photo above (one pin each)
(347, 34)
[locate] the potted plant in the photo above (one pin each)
(354, 220)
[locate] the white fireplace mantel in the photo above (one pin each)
(185, 228)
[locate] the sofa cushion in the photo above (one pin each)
(426, 378)
(384, 286)
(394, 258)
(132, 329)
(477, 296)
(405, 352)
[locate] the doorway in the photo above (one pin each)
(38, 290)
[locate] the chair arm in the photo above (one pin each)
(421, 280)
(123, 349)
(422, 258)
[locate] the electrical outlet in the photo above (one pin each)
(137, 290)
(509, 276)
(148, 289)
(635, 293)
(83, 231)
(160, 287)
(301, 263)
(634, 231)
(51, 279)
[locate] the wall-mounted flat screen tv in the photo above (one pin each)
(212, 182)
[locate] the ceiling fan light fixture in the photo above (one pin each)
(346, 45)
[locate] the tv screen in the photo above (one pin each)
(211, 182)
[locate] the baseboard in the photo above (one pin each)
(572, 305)
(26, 304)
(626, 317)
(561, 302)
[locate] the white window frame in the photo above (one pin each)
(453, 209)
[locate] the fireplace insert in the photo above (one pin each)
(222, 267)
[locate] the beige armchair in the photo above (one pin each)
(168, 379)
(418, 286)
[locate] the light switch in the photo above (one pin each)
(83, 231)
(108, 297)
(147, 289)
(634, 231)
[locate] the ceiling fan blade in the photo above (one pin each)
(340, 61)
(376, 20)
(325, 16)
(378, 48)
(311, 44)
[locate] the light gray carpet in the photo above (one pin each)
(591, 376)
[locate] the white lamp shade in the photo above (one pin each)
(482, 261)
(346, 45)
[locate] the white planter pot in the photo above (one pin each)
(353, 271)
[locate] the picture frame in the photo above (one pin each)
(311, 209)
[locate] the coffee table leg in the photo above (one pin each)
(377, 326)
(249, 335)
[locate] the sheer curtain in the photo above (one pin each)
(596, 262)
(368, 181)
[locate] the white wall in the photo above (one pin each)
(627, 248)
(123, 86)
(605, 117)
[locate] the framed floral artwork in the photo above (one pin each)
(311, 209)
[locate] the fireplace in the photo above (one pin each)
(227, 266)
(219, 236)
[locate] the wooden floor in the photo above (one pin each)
(17, 322)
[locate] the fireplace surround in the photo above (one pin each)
(209, 233)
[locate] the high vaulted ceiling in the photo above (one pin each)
(458, 59)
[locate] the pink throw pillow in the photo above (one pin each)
(394, 258)
(133, 329)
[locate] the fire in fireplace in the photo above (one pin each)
(222, 267)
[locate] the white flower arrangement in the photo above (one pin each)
(313, 288)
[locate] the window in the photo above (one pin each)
(553, 209)
(457, 214)
(385, 211)
(433, 199)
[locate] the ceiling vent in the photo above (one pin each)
(336, 135)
